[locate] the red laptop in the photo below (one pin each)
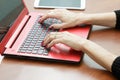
(25, 34)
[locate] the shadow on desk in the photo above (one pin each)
(36, 61)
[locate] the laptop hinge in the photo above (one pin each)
(18, 31)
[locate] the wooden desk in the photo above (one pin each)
(20, 69)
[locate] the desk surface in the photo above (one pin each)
(20, 69)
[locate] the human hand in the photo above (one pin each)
(69, 19)
(69, 39)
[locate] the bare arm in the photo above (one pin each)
(96, 52)
(71, 19)
(104, 19)
(99, 54)
(102, 56)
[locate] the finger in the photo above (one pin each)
(44, 17)
(53, 42)
(49, 38)
(58, 26)
(51, 14)
(45, 39)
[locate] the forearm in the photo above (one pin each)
(104, 19)
(99, 54)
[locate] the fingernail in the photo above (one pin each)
(40, 20)
(47, 47)
(41, 16)
(42, 43)
(51, 27)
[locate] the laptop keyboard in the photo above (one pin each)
(33, 42)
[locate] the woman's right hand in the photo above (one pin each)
(69, 19)
(69, 39)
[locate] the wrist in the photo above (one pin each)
(82, 43)
(85, 18)
(87, 45)
(91, 18)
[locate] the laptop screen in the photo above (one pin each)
(9, 11)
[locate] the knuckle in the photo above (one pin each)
(54, 41)
(51, 37)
